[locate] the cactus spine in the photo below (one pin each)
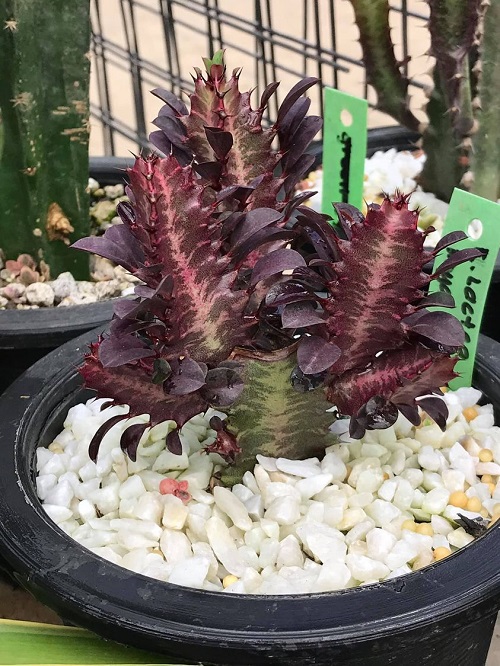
(44, 130)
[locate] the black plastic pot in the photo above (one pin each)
(27, 335)
(441, 615)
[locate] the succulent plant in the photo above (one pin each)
(44, 131)
(463, 103)
(255, 304)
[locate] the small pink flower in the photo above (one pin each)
(177, 488)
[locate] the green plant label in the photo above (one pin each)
(468, 283)
(344, 149)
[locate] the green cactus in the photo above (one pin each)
(486, 157)
(383, 71)
(458, 132)
(44, 120)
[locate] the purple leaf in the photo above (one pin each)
(437, 299)
(288, 292)
(125, 308)
(126, 212)
(440, 328)
(267, 94)
(253, 221)
(220, 141)
(174, 444)
(450, 239)
(276, 262)
(223, 386)
(296, 202)
(262, 236)
(174, 130)
(297, 91)
(458, 257)
(160, 142)
(96, 440)
(130, 194)
(289, 123)
(170, 99)
(114, 351)
(209, 170)
(239, 192)
(301, 315)
(315, 355)
(187, 376)
(411, 413)
(117, 244)
(348, 216)
(299, 169)
(436, 408)
(305, 134)
(131, 436)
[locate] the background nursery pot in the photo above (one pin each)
(27, 335)
(443, 614)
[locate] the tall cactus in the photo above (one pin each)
(486, 158)
(44, 130)
(458, 133)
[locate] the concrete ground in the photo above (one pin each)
(288, 17)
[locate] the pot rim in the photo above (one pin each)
(81, 585)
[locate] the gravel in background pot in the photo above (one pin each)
(27, 335)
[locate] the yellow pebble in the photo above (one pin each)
(229, 580)
(486, 478)
(409, 525)
(496, 509)
(444, 389)
(492, 487)
(486, 455)
(458, 499)
(470, 413)
(386, 476)
(441, 552)
(474, 504)
(494, 519)
(425, 528)
(484, 513)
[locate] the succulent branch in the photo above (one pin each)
(193, 236)
(383, 71)
(44, 117)
(485, 160)
(373, 338)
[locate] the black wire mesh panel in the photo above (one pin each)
(141, 44)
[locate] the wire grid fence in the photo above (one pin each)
(141, 44)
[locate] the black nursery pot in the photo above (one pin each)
(441, 615)
(27, 335)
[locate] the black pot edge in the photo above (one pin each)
(132, 602)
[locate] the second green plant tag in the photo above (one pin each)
(468, 283)
(344, 149)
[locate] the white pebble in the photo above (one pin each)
(284, 510)
(175, 513)
(233, 507)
